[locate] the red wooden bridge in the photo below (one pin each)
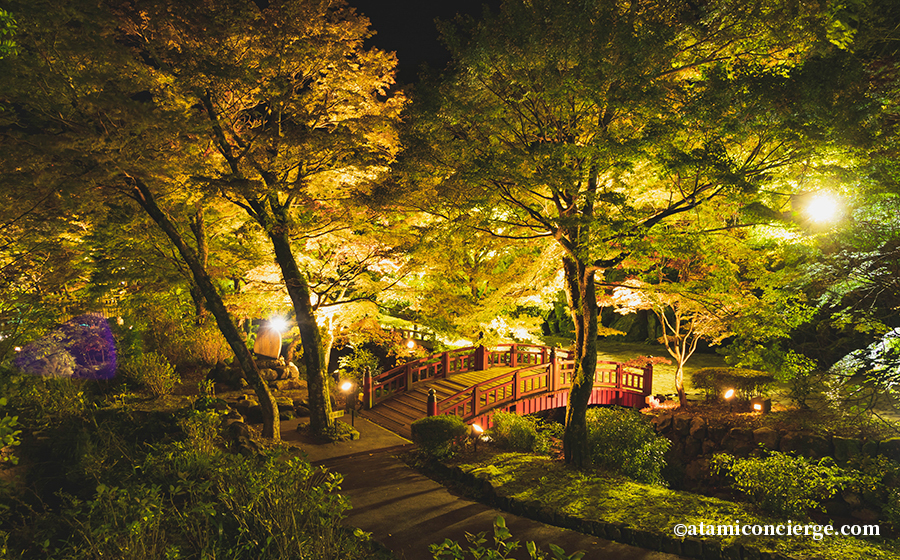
(475, 383)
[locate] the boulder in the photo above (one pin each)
(846, 448)
(268, 374)
(890, 448)
(809, 445)
(682, 425)
(698, 428)
(767, 437)
(738, 441)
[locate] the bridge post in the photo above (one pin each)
(445, 364)
(647, 385)
(475, 400)
(553, 385)
(619, 372)
(409, 376)
(432, 403)
(368, 395)
(481, 359)
(513, 355)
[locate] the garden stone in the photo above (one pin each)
(739, 441)
(254, 414)
(268, 374)
(865, 515)
(732, 552)
(692, 548)
(870, 448)
(711, 550)
(285, 384)
(663, 423)
(890, 448)
(709, 446)
(682, 425)
(717, 433)
(698, 428)
(670, 545)
(809, 445)
(845, 448)
(692, 449)
(766, 436)
(837, 508)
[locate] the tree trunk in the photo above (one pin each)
(679, 384)
(198, 228)
(298, 290)
(582, 299)
(271, 423)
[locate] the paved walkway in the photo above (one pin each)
(406, 511)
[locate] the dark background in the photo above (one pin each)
(407, 28)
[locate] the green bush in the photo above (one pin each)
(439, 436)
(746, 382)
(783, 483)
(523, 433)
(451, 550)
(153, 372)
(623, 441)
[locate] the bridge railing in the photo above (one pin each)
(548, 378)
(438, 366)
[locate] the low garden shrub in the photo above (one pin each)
(747, 383)
(502, 547)
(782, 483)
(623, 441)
(439, 436)
(153, 372)
(523, 433)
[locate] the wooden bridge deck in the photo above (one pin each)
(397, 413)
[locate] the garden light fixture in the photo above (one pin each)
(279, 324)
(476, 434)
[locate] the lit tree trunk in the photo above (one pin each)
(582, 300)
(271, 423)
(680, 345)
(313, 359)
(198, 228)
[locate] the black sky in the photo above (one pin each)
(407, 28)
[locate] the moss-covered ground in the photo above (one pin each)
(599, 497)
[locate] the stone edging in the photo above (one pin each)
(619, 532)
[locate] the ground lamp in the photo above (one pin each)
(347, 387)
(761, 405)
(476, 434)
(729, 394)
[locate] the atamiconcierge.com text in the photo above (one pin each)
(789, 529)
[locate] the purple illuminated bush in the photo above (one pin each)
(82, 348)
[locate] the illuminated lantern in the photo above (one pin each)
(268, 342)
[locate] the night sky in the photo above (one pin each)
(407, 28)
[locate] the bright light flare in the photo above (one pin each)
(346, 386)
(729, 393)
(279, 324)
(477, 429)
(757, 407)
(410, 344)
(823, 208)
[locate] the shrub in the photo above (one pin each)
(523, 433)
(746, 382)
(153, 372)
(623, 441)
(782, 483)
(438, 436)
(451, 550)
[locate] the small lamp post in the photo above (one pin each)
(476, 435)
(350, 400)
(761, 405)
(729, 395)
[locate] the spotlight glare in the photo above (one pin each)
(278, 324)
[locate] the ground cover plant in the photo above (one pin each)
(599, 496)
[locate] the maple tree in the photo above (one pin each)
(590, 125)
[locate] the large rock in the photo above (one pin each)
(738, 441)
(846, 448)
(698, 428)
(682, 424)
(890, 448)
(809, 445)
(767, 437)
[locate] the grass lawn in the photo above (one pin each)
(597, 497)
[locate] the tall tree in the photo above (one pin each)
(86, 121)
(299, 114)
(593, 124)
